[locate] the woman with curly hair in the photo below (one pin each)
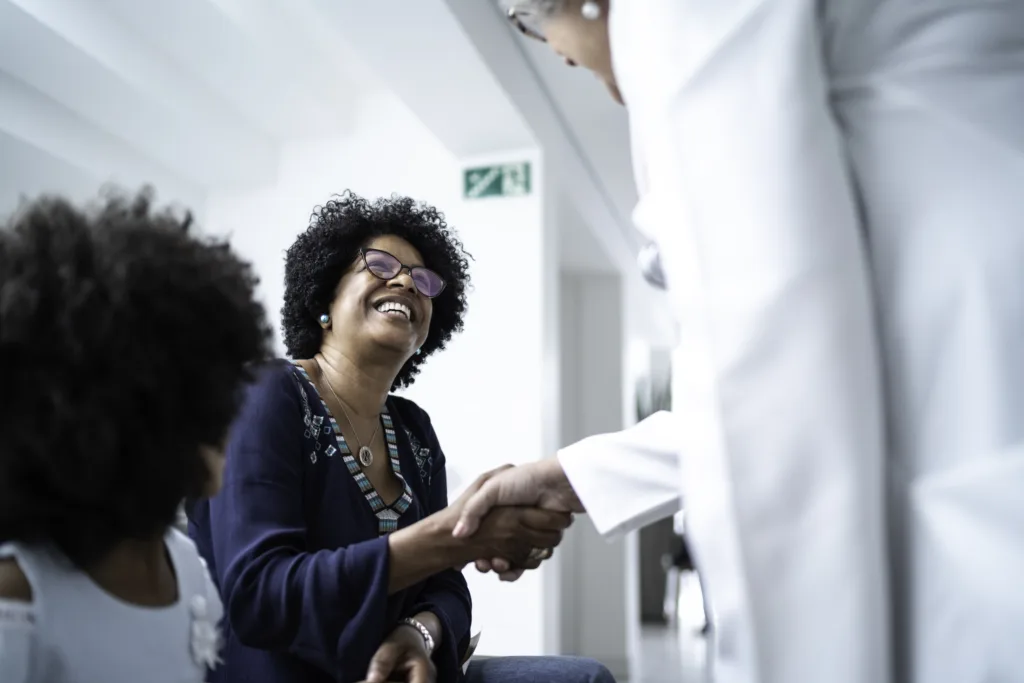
(331, 541)
(125, 343)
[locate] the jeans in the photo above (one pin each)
(537, 670)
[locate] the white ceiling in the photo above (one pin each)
(197, 96)
(189, 95)
(194, 95)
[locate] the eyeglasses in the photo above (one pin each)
(385, 266)
(526, 22)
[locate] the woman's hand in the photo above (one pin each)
(402, 657)
(429, 546)
(509, 571)
(517, 534)
(513, 528)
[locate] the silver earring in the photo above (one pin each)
(591, 10)
(418, 352)
(325, 319)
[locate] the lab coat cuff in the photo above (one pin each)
(616, 501)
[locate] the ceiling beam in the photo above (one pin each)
(303, 56)
(420, 51)
(27, 172)
(111, 78)
(459, 68)
(502, 52)
(46, 125)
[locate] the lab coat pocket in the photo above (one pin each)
(967, 571)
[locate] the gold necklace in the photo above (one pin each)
(365, 453)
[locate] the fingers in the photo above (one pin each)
(466, 526)
(383, 663)
(536, 540)
(486, 476)
(511, 576)
(531, 563)
(422, 670)
(496, 470)
(479, 482)
(546, 520)
(476, 508)
(502, 567)
(504, 534)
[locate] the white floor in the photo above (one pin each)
(676, 654)
(671, 655)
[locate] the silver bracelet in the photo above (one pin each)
(428, 640)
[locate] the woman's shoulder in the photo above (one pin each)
(274, 397)
(277, 373)
(275, 382)
(414, 421)
(408, 410)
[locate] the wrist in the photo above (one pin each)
(561, 493)
(419, 633)
(437, 532)
(458, 551)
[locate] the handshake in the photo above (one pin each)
(511, 519)
(508, 521)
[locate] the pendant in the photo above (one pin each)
(365, 456)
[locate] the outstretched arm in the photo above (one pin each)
(323, 606)
(624, 480)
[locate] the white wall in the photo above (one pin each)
(490, 394)
(596, 601)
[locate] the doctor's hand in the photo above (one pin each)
(538, 484)
(522, 536)
(402, 657)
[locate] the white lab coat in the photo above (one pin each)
(837, 189)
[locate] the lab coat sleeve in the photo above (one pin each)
(628, 479)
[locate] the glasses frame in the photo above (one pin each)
(513, 14)
(402, 268)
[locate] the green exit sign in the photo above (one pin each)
(503, 180)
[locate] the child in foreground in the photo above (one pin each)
(125, 343)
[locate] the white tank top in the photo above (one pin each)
(74, 632)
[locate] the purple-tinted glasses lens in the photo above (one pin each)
(385, 266)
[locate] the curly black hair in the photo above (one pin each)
(125, 345)
(331, 243)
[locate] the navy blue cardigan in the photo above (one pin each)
(293, 545)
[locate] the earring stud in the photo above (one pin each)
(591, 10)
(325, 319)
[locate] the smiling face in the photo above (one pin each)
(383, 313)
